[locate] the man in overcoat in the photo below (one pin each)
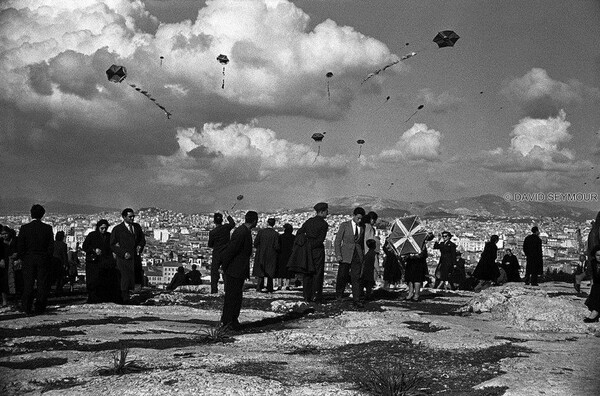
(218, 238)
(532, 247)
(235, 262)
(265, 259)
(315, 231)
(35, 247)
(127, 241)
(348, 244)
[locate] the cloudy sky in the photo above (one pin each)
(512, 107)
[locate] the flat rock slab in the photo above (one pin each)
(290, 351)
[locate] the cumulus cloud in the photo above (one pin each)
(441, 103)
(540, 96)
(240, 152)
(536, 144)
(60, 107)
(417, 143)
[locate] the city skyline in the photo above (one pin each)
(510, 109)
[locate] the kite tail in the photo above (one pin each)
(328, 95)
(223, 84)
(408, 119)
(233, 206)
(146, 94)
(359, 151)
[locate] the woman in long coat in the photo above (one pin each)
(447, 259)
(593, 300)
(265, 259)
(487, 270)
(286, 243)
(102, 275)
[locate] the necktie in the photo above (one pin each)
(130, 228)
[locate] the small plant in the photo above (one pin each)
(120, 365)
(214, 335)
(388, 380)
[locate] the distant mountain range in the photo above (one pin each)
(485, 206)
(22, 205)
(488, 206)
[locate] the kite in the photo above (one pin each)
(239, 198)
(390, 187)
(418, 108)
(404, 57)
(161, 59)
(328, 75)
(446, 38)
(117, 74)
(224, 60)
(360, 143)
(407, 236)
(317, 137)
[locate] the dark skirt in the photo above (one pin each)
(392, 273)
(593, 300)
(416, 270)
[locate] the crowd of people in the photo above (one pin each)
(36, 258)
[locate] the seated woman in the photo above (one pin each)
(593, 300)
(179, 279)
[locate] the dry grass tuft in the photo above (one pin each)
(388, 380)
(120, 365)
(213, 335)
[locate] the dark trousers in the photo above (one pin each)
(35, 268)
(533, 277)
(349, 272)
(214, 272)
(312, 285)
(261, 284)
(234, 290)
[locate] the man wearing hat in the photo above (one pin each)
(265, 259)
(532, 247)
(217, 240)
(315, 231)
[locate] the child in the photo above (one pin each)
(367, 273)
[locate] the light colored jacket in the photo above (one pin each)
(344, 242)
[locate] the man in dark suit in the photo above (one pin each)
(35, 247)
(235, 261)
(532, 247)
(218, 238)
(315, 230)
(349, 242)
(127, 241)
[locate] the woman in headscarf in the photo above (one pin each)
(102, 276)
(487, 270)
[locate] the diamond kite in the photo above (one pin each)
(407, 236)
(117, 74)
(446, 38)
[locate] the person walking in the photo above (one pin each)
(127, 241)
(218, 238)
(486, 271)
(593, 300)
(532, 247)
(447, 250)
(265, 259)
(35, 247)
(348, 244)
(308, 253)
(235, 262)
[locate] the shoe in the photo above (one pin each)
(590, 320)
(415, 299)
(577, 287)
(358, 304)
(408, 298)
(535, 284)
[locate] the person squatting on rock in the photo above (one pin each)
(532, 247)
(235, 262)
(218, 238)
(194, 277)
(348, 243)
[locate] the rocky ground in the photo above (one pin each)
(508, 340)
